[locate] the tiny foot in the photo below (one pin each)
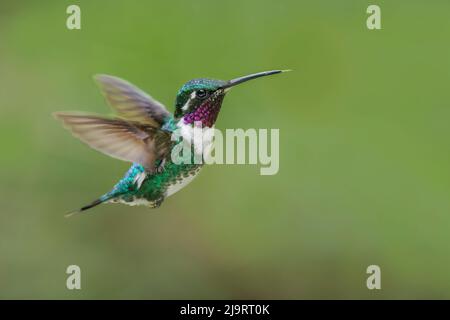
(161, 168)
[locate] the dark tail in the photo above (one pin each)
(88, 206)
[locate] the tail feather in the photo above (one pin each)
(94, 203)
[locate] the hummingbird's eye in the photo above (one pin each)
(202, 94)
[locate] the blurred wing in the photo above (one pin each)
(130, 102)
(128, 141)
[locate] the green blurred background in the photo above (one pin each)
(364, 166)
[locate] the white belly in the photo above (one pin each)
(180, 184)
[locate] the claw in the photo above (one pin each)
(160, 167)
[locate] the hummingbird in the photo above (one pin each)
(140, 132)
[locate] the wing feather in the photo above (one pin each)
(130, 102)
(118, 138)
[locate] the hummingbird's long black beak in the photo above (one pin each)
(233, 82)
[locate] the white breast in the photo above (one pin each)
(187, 132)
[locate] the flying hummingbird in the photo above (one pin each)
(141, 133)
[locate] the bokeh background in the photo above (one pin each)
(364, 166)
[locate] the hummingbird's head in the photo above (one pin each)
(200, 99)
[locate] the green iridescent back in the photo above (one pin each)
(154, 186)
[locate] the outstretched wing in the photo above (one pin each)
(132, 103)
(125, 140)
